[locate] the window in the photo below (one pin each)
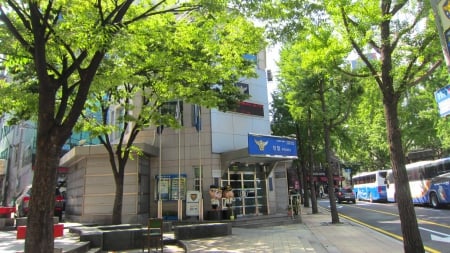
(116, 118)
(198, 179)
(174, 108)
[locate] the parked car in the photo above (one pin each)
(23, 202)
(345, 194)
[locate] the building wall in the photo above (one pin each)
(229, 130)
(279, 198)
(17, 149)
(91, 187)
(183, 150)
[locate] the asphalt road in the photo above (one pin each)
(434, 224)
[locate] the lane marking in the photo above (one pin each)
(394, 214)
(435, 237)
(400, 238)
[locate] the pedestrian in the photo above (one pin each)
(321, 191)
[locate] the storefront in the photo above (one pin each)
(249, 172)
(249, 189)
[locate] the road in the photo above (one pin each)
(434, 224)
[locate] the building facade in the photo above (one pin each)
(209, 152)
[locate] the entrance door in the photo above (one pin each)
(248, 192)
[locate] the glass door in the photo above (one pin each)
(248, 192)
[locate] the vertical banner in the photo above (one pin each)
(441, 9)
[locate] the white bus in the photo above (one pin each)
(429, 182)
(370, 186)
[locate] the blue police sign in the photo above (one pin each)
(272, 146)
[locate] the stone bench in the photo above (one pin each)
(202, 230)
(122, 239)
(112, 237)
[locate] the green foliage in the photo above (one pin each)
(196, 59)
(363, 139)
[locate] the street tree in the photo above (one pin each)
(363, 138)
(404, 37)
(314, 86)
(406, 42)
(182, 62)
(283, 124)
(63, 43)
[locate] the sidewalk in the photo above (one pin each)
(315, 234)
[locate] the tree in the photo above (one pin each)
(408, 49)
(404, 36)
(314, 88)
(363, 139)
(64, 42)
(181, 63)
(283, 124)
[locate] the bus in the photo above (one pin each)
(429, 182)
(370, 186)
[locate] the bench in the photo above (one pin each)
(203, 230)
(111, 237)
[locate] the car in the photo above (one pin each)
(345, 194)
(23, 200)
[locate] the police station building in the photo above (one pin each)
(180, 168)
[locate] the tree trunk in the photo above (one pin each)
(118, 200)
(331, 196)
(412, 242)
(39, 237)
(327, 146)
(311, 167)
(301, 165)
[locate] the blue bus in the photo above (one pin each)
(370, 186)
(429, 182)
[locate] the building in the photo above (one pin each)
(210, 151)
(17, 150)
(184, 163)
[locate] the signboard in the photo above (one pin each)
(442, 97)
(272, 146)
(250, 108)
(441, 9)
(178, 186)
(193, 203)
(169, 185)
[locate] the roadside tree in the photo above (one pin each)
(63, 43)
(403, 37)
(315, 89)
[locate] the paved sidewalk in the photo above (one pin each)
(314, 235)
